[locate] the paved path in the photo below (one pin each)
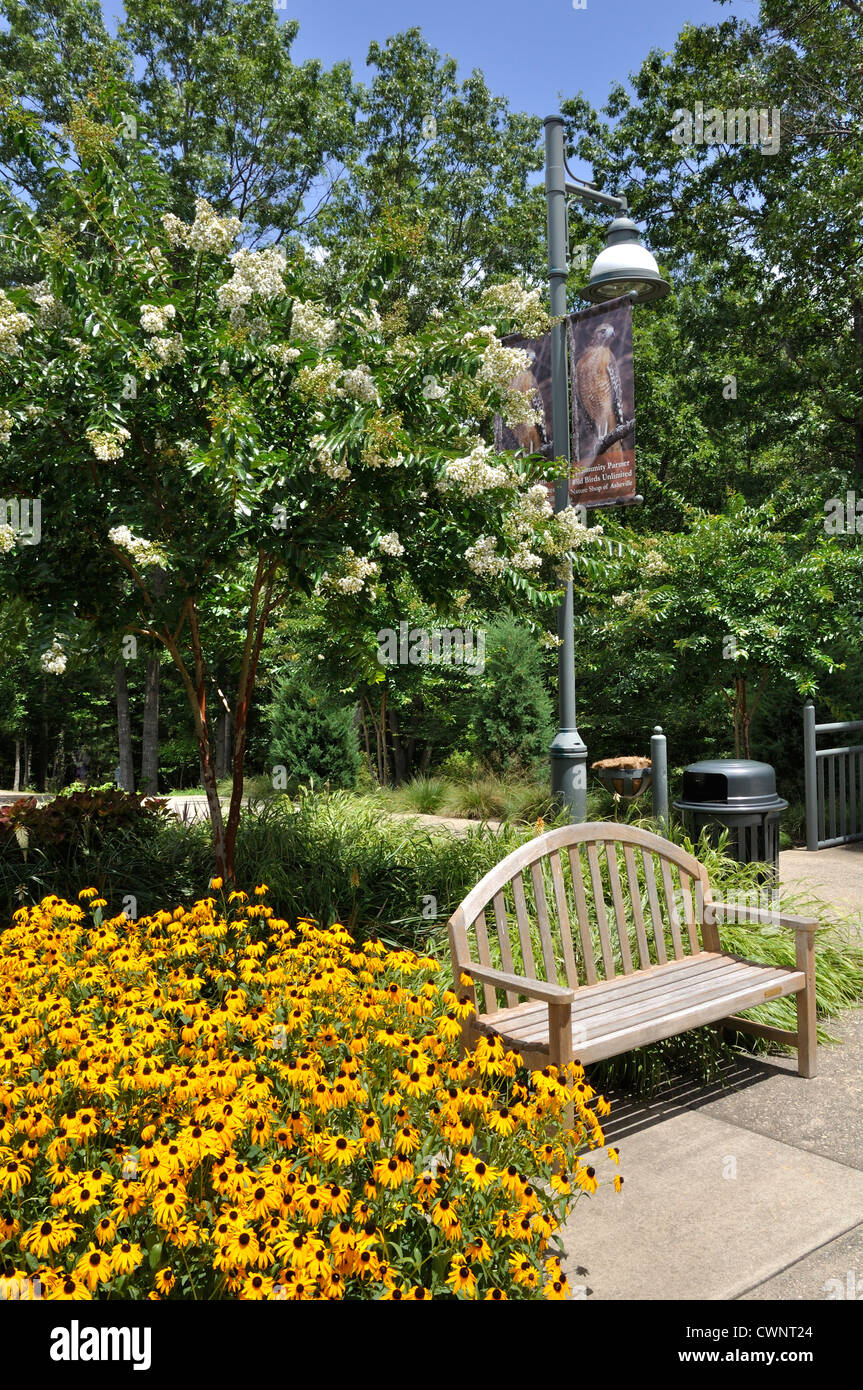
(751, 1190)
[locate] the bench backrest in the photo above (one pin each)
(581, 904)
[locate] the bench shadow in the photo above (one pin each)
(631, 1114)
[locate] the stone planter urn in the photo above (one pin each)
(624, 777)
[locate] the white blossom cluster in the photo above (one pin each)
(208, 232)
(390, 544)
(433, 390)
(141, 550)
(473, 473)
(169, 350)
(7, 422)
(12, 325)
(309, 324)
(525, 559)
(54, 660)
(334, 468)
(572, 531)
(41, 296)
(7, 538)
(522, 408)
(281, 353)
(108, 444)
(319, 383)
(520, 305)
(359, 384)
(354, 571)
(534, 505)
(155, 318)
(499, 366)
(372, 458)
(483, 558)
(255, 273)
(653, 564)
(369, 319)
(34, 412)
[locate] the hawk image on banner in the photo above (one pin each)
(603, 405)
(535, 381)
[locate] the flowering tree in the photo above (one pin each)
(205, 436)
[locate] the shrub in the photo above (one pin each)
(285, 1117)
(425, 795)
(311, 735)
(79, 816)
(513, 718)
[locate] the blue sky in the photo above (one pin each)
(530, 51)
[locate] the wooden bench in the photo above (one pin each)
(643, 962)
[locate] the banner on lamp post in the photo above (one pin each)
(535, 382)
(603, 405)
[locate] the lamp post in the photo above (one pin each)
(623, 267)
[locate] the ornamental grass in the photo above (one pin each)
(211, 1103)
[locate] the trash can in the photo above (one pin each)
(738, 795)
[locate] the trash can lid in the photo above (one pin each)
(738, 783)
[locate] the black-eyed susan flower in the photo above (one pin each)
(94, 1266)
(125, 1257)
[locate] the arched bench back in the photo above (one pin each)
(584, 903)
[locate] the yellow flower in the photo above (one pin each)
(461, 1278)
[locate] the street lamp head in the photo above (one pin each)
(624, 267)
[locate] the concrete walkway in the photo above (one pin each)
(752, 1189)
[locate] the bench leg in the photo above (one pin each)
(807, 1034)
(560, 1046)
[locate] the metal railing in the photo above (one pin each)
(834, 784)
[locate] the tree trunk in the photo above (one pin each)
(124, 728)
(16, 780)
(223, 744)
(398, 756)
(857, 317)
(150, 731)
(260, 606)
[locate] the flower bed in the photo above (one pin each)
(213, 1104)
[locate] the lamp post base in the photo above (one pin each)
(569, 773)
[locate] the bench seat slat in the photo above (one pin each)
(608, 999)
(590, 998)
(609, 1034)
(665, 1001)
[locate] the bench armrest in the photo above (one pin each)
(721, 912)
(534, 989)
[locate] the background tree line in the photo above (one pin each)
(749, 378)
